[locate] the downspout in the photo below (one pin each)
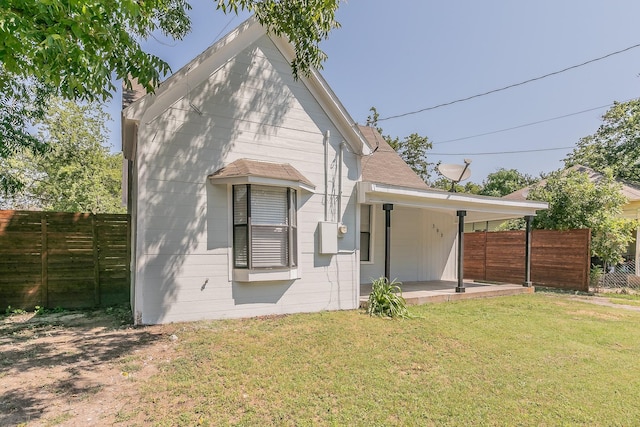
(340, 159)
(326, 175)
(527, 251)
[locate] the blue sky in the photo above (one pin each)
(417, 54)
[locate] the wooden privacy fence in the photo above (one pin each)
(559, 259)
(69, 260)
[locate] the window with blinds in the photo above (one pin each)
(365, 233)
(264, 227)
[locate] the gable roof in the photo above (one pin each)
(214, 57)
(246, 169)
(630, 191)
(385, 166)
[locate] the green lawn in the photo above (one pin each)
(538, 359)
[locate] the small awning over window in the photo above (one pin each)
(245, 171)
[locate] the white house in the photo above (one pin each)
(252, 193)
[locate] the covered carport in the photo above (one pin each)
(417, 234)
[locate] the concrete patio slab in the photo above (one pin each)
(416, 293)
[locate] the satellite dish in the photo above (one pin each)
(455, 173)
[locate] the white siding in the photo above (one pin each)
(423, 245)
(250, 108)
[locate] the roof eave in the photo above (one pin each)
(197, 70)
(252, 179)
(498, 208)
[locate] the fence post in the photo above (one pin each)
(44, 261)
(486, 232)
(461, 215)
(96, 261)
(527, 252)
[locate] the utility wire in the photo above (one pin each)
(512, 85)
(523, 125)
(501, 152)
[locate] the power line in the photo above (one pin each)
(512, 85)
(523, 125)
(500, 152)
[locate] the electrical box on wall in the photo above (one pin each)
(328, 238)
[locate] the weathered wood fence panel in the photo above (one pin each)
(70, 260)
(559, 259)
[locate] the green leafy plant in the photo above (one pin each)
(595, 275)
(11, 310)
(386, 299)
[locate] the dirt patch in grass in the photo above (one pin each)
(607, 302)
(596, 314)
(75, 368)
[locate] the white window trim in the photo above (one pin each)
(259, 275)
(372, 223)
(246, 275)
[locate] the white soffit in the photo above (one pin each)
(482, 207)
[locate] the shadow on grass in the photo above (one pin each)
(64, 360)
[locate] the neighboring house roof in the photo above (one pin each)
(245, 168)
(385, 166)
(630, 191)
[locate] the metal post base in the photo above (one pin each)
(460, 289)
(527, 284)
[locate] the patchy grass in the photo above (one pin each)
(539, 359)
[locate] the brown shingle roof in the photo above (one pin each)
(129, 96)
(385, 166)
(246, 167)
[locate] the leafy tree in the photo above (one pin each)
(76, 49)
(21, 104)
(615, 145)
(77, 173)
(505, 181)
(412, 149)
(577, 202)
(445, 184)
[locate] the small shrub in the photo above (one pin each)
(595, 276)
(11, 310)
(386, 299)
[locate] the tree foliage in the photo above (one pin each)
(505, 181)
(615, 145)
(577, 202)
(79, 46)
(21, 105)
(77, 173)
(413, 148)
(469, 187)
(77, 49)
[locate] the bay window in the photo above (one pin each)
(264, 227)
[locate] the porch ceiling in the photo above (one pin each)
(478, 208)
